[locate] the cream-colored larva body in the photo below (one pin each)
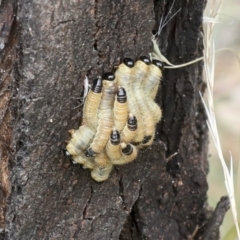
(113, 148)
(152, 82)
(123, 75)
(80, 139)
(120, 109)
(85, 161)
(130, 129)
(129, 153)
(91, 106)
(156, 112)
(105, 116)
(141, 70)
(103, 167)
(124, 78)
(151, 85)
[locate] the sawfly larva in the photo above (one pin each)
(103, 167)
(151, 85)
(123, 73)
(90, 110)
(105, 116)
(85, 161)
(139, 73)
(124, 76)
(129, 153)
(141, 69)
(113, 147)
(80, 140)
(129, 131)
(120, 109)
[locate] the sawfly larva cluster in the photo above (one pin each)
(119, 117)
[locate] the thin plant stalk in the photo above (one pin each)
(209, 63)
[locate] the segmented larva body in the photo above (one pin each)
(124, 76)
(123, 73)
(129, 131)
(154, 77)
(103, 167)
(105, 116)
(129, 153)
(141, 69)
(151, 85)
(93, 99)
(113, 148)
(85, 161)
(120, 110)
(156, 112)
(80, 140)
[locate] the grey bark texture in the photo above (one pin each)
(48, 48)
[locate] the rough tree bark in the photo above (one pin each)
(47, 47)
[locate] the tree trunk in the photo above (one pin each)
(47, 47)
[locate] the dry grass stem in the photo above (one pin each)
(209, 63)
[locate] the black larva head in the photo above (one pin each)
(97, 85)
(158, 63)
(121, 95)
(115, 137)
(128, 62)
(146, 139)
(90, 153)
(145, 59)
(132, 123)
(128, 149)
(109, 76)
